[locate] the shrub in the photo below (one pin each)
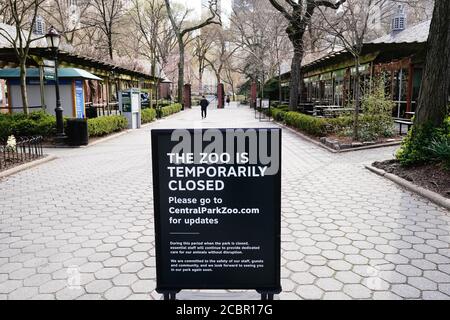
(283, 107)
(278, 114)
(424, 144)
(148, 115)
(377, 109)
(440, 150)
(21, 125)
(311, 125)
(173, 108)
(101, 126)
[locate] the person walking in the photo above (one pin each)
(204, 103)
(228, 101)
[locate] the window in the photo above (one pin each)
(399, 20)
(39, 26)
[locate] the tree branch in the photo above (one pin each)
(281, 9)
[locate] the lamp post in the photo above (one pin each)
(53, 39)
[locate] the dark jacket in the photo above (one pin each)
(204, 103)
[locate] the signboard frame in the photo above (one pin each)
(78, 93)
(169, 292)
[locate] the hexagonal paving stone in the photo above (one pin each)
(21, 273)
(437, 276)
(309, 292)
(98, 286)
(90, 267)
(23, 293)
(329, 284)
(357, 291)
(36, 280)
(385, 295)
(118, 293)
(297, 266)
(335, 296)
(405, 291)
(124, 279)
(53, 286)
(348, 277)
(143, 286)
(434, 295)
(321, 271)
(147, 273)
(132, 267)
(303, 278)
(106, 273)
(137, 256)
(422, 283)
(114, 262)
(339, 265)
(69, 293)
(288, 285)
(408, 270)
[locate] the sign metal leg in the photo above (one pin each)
(170, 296)
(266, 296)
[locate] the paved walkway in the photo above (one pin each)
(82, 227)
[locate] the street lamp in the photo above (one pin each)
(53, 39)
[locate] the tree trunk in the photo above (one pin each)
(433, 97)
(110, 46)
(357, 94)
(200, 82)
(23, 87)
(295, 77)
(181, 71)
(280, 88)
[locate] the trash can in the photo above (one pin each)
(91, 112)
(77, 132)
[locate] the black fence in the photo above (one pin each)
(26, 149)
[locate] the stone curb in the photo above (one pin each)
(26, 166)
(428, 194)
(113, 136)
(305, 137)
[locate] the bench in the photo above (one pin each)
(405, 122)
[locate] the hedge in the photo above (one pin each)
(306, 123)
(311, 125)
(101, 126)
(148, 115)
(173, 108)
(20, 125)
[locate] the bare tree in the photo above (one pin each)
(5, 12)
(23, 14)
(182, 31)
(298, 15)
(221, 54)
(262, 41)
(232, 77)
(68, 19)
(105, 16)
(154, 34)
(350, 29)
(201, 46)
